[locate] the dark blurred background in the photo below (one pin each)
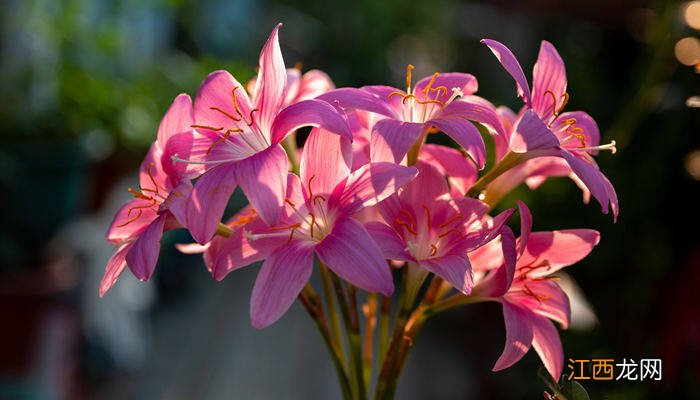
(85, 82)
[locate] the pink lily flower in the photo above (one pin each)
(301, 87)
(408, 115)
(525, 286)
(318, 220)
(238, 140)
(423, 224)
(543, 129)
(158, 205)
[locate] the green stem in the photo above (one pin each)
(312, 303)
(509, 161)
(352, 330)
(332, 310)
(371, 311)
(384, 328)
(289, 144)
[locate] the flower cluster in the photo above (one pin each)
(368, 197)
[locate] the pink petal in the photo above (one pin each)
(478, 110)
(588, 126)
(179, 118)
(392, 139)
(325, 161)
(455, 269)
(208, 201)
(548, 74)
(313, 84)
(191, 248)
(556, 306)
(392, 246)
(115, 267)
(263, 179)
(465, 82)
(595, 181)
(487, 257)
(532, 134)
(216, 93)
(279, 282)
(369, 185)
(460, 171)
(465, 134)
(511, 64)
(547, 344)
(525, 226)
(359, 99)
(497, 283)
(309, 113)
(519, 335)
(270, 85)
(559, 248)
(428, 186)
(350, 252)
(177, 201)
(143, 255)
(293, 85)
(131, 219)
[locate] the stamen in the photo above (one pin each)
(409, 215)
(235, 103)
(409, 68)
(610, 146)
(211, 128)
(252, 119)
(430, 84)
(565, 98)
(427, 213)
(555, 113)
(456, 92)
(153, 180)
(538, 297)
(441, 91)
(223, 138)
(405, 225)
(225, 113)
(308, 186)
(433, 249)
(449, 221)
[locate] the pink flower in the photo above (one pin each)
(425, 225)
(525, 286)
(318, 219)
(158, 205)
(237, 139)
(542, 129)
(301, 87)
(408, 116)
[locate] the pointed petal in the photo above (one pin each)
(143, 255)
(369, 185)
(547, 344)
(511, 64)
(455, 269)
(392, 139)
(531, 134)
(271, 83)
(548, 74)
(130, 220)
(179, 118)
(479, 110)
(497, 283)
(519, 335)
(263, 179)
(115, 267)
(314, 83)
(442, 85)
(238, 250)
(177, 201)
(325, 161)
(279, 282)
(358, 99)
(392, 246)
(214, 105)
(525, 226)
(559, 248)
(350, 252)
(595, 181)
(208, 201)
(460, 171)
(465, 134)
(309, 113)
(556, 306)
(585, 125)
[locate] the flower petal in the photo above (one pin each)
(115, 267)
(208, 201)
(519, 335)
(279, 282)
(314, 83)
(309, 113)
(479, 110)
(548, 76)
(531, 134)
(271, 82)
(130, 220)
(238, 250)
(358, 99)
(547, 344)
(177, 201)
(461, 173)
(497, 283)
(525, 226)
(455, 269)
(584, 124)
(465, 134)
(441, 87)
(392, 246)
(214, 105)
(179, 118)
(352, 254)
(511, 64)
(555, 306)
(392, 139)
(325, 161)
(369, 185)
(263, 179)
(143, 255)
(559, 248)
(595, 181)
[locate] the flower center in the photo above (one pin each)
(153, 198)
(418, 110)
(423, 240)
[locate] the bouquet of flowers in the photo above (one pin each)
(398, 229)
